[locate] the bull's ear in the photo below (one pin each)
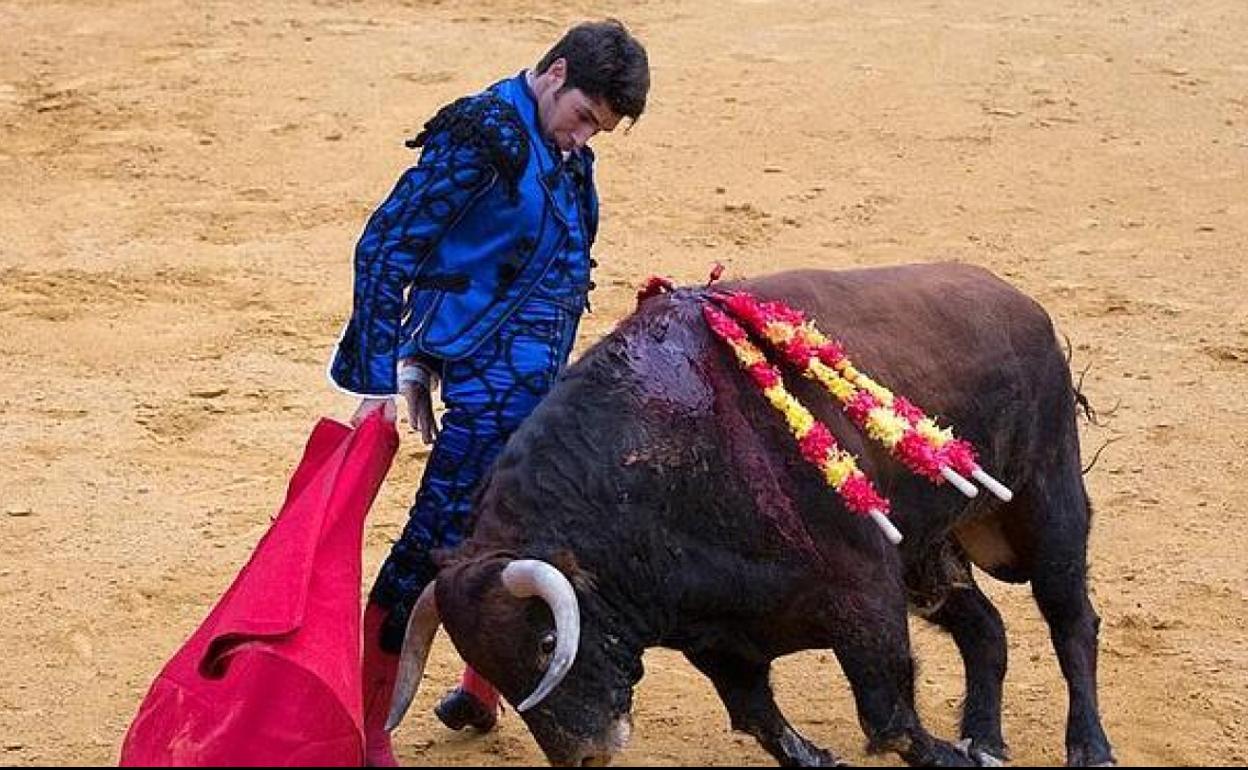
(582, 579)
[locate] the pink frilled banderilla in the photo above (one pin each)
(911, 436)
(818, 446)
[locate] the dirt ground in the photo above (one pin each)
(182, 184)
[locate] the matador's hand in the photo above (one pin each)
(417, 381)
(370, 405)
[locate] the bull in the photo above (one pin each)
(654, 499)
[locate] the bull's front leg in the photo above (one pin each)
(745, 688)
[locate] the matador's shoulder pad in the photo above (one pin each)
(487, 123)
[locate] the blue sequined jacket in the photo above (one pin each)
(462, 240)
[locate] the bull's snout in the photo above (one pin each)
(577, 759)
(598, 752)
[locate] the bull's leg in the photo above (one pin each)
(1059, 584)
(745, 688)
(874, 650)
(977, 629)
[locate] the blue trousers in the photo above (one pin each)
(486, 396)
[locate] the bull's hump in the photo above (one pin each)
(666, 351)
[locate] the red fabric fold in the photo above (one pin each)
(272, 675)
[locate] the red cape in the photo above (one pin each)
(272, 676)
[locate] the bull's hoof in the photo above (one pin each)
(948, 755)
(984, 754)
(460, 709)
(796, 751)
(1091, 757)
(817, 757)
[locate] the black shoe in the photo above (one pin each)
(460, 709)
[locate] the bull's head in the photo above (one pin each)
(519, 624)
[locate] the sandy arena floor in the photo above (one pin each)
(182, 184)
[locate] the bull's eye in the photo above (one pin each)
(547, 645)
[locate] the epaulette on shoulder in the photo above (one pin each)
(488, 123)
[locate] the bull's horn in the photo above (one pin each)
(422, 626)
(530, 577)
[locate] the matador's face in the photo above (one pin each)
(567, 115)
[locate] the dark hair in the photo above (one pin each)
(605, 62)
